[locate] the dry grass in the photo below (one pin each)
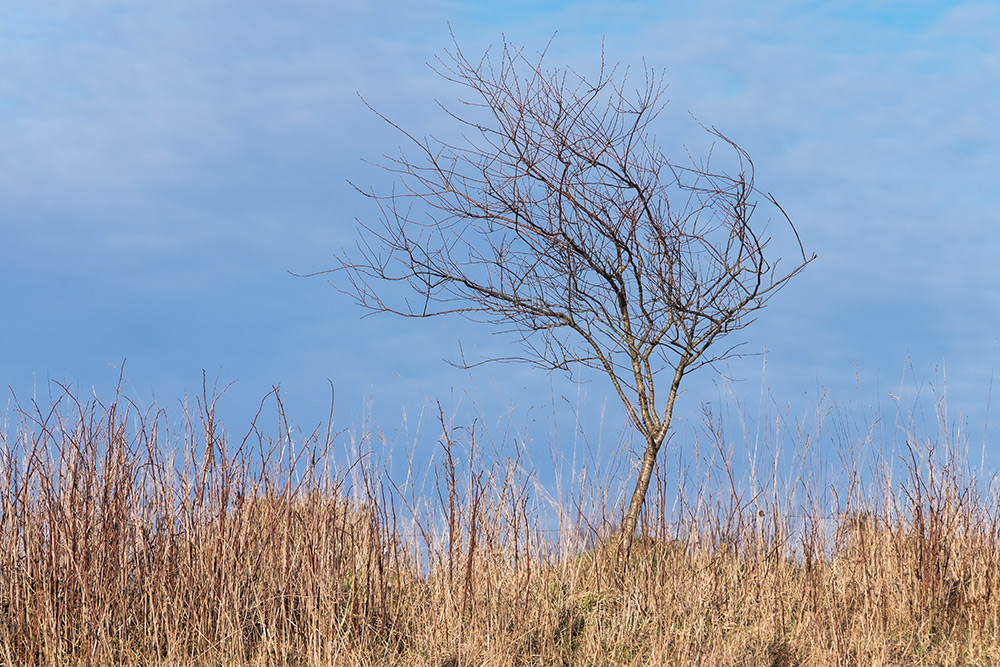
(121, 543)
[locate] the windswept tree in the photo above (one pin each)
(556, 217)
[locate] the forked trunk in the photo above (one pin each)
(654, 440)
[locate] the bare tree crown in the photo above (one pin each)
(557, 218)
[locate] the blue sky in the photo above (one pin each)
(165, 166)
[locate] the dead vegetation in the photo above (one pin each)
(122, 543)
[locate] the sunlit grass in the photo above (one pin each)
(121, 543)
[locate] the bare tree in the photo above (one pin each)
(557, 218)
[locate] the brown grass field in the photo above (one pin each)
(128, 540)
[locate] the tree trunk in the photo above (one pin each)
(654, 441)
(639, 494)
